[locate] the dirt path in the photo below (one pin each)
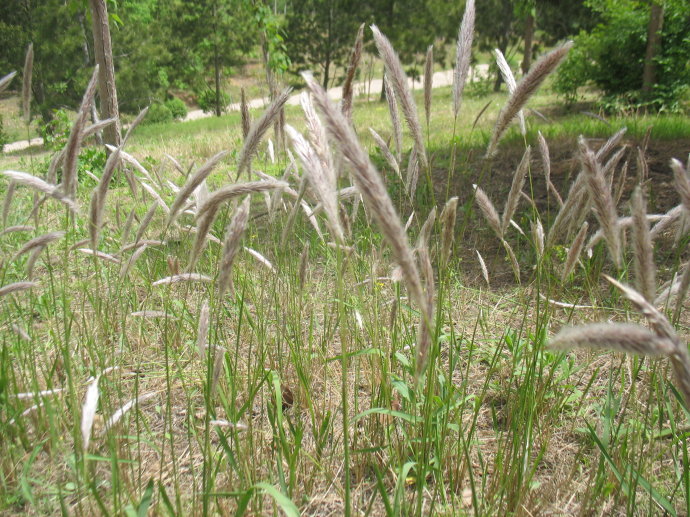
(439, 79)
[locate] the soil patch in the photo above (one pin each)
(495, 177)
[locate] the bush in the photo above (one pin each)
(159, 114)
(207, 100)
(56, 132)
(611, 56)
(177, 107)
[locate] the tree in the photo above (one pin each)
(106, 70)
(656, 22)
(55, 28)
(615, 57)
(497, 27)
(143, 63)
(210, 36)
(320, 33)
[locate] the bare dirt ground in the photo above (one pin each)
(494, 177)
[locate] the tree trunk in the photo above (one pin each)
(103, 50)
(326, 71)
(216, 65)
(656, 22)
(528, 36)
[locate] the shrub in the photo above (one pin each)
(56, 132)
(177, 107)
(207, 100)
(611, 56)
(159, 114)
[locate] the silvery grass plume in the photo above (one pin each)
(7, 202)
(680, 359)
(577, 202)
(260, 259)
(318, 138)
(6, 80)
(233, 236)
(516, 189)
(69, 166)
(16, 287)
(88, 412)
(619, 337)
(645, 277)
(412, 174)
(463, 54)
(35, 183)
(135, 256)
(246, 117)
(192, 183)
(574, 252)
(491, 215)
(682, 291)
(99, 195)
(600, 194)
(99, 255)
(395, 117)
(182, 277)
(448, 216)
(375, 196)
(546, 162)
(18, 228)
(398, 80)
(355, 57)
(145, 222)
(424, 329)
(37, 394)
(223, 194)
(202, 332)
(386, 152)
(482, 264)
(682, 184)
(111, 166)
(488, 211)
(662, 340)
(207, 212)
(524, 90)
(258, 129)
(323, 182)
(425, 231)
(294, 210)
(537, 230)
(155, 195)
(670, 218)
(428, 82)
(122, 411)
(303, 266)
(509, 79)
(26, 83)
(36, 246)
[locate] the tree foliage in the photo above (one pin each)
(611, 55)
(320, 32)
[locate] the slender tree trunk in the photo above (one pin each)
(216, 65)
(656, 23)
(103, 50)
(327, 71)
(528, 36)
(329, 38)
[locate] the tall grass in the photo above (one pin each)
(292, 352)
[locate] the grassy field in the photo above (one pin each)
(285, 374)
